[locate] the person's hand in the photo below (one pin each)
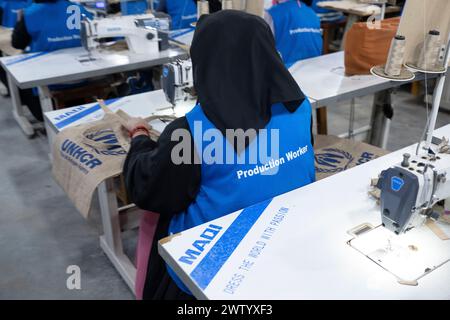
(137, 127)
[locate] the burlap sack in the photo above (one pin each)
(365, 48)
(87, 154)
(342, 154)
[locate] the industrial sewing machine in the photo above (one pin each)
(144, 34)
(177, 81)
(410, 189)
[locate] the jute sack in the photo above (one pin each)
(365, 48)
(343, 154)
(87, 154)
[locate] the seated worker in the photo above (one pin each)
(9, 11)
(297, 30)
(32, 34)
(129, 7)
(184, 12)
(242, 84)
(52, 35)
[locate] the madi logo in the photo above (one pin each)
(397, 183)
(199, 245)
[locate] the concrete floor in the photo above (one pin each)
(41, 233)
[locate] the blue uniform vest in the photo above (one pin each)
(225, 189)
(11, 9)
(129, 7)
(47, 25)
(297, 31)
(182, 12)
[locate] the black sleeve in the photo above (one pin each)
(153, 181)
(162, 6)
(20, 37)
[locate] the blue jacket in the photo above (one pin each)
(226, 188)
(182, 12)
(129, 7)
(54, 26)
(297, 31)
(11, 9)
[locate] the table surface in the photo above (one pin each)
(323, 79)
(138, 105)
(307, 256)
(358, 9)
(73, 64)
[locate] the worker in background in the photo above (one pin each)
(241, 83)
(184, 12)
(56, 33)
(130, 7)
(44, 26)
(9, 11)
(297, 30)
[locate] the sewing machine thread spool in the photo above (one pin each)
(394, 61)
(202, 8)
(227, 4)
(429, 54)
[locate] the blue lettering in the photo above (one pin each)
(190, 256)
(93, 163)
(86, 157)
(200, 244)
(211, 232)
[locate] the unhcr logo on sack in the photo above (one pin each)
(333, 160)
(104, 142)
(79, 156)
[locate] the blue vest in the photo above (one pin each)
(226, 188)
(182, 12)
(129, 7)
(297, 31)
(11, 9)
(54, 34)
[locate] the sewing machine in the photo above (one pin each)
(410, 189)
(177, 81)
(144, 34)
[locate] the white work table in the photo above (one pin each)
(49, 68)
(323, 80)
(307, 256)
(114, 218)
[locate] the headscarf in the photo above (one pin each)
(238, 73)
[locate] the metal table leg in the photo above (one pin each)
(18, 111)
(44, 98)
(380, 123)
(111, 240)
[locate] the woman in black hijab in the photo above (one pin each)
(241, 83)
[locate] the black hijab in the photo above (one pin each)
(238, 73)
